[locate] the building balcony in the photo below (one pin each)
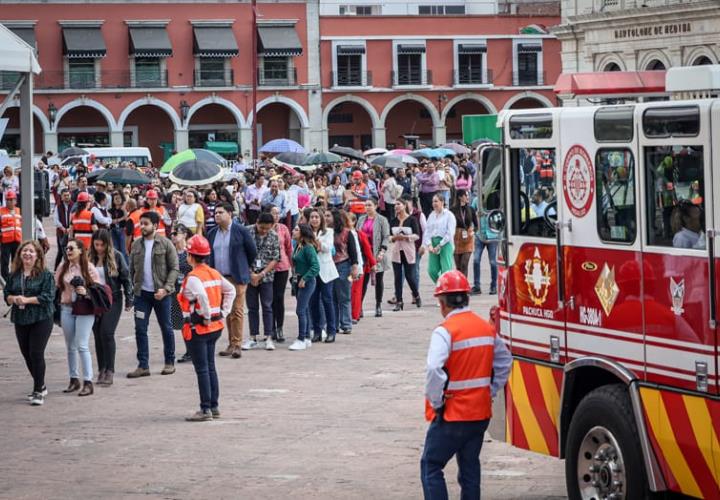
(472, 77)
(528, 78)
(88, 80)
(411, 78)
(277, 78)
(351, 78)
(214, 78)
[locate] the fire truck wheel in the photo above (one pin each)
(603, 456)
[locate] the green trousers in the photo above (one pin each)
(442, 262)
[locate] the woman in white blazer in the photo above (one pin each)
(324, 291)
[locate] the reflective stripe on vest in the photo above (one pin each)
(10, 225)
(81, 224)
(212, 283)
(469, 369)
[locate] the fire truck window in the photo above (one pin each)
(675, 196)
(615, 178)
(531, 126)
(676, 121)
(614, 124)
(532, 175)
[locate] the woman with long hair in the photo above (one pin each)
(112, 271)
(438, 238)
(336, 193)
(282, 273)
(190, 213)
(306, 268)
(405, 233)
(322, 301)
(179, 238)
(73, 278)
(30, 291)
(119, 218)
(377, 229)
(346, 263)
(366, 263)
(466, 223)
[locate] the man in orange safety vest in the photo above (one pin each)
(11, 227)
(467, 365)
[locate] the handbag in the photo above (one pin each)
(294, 285)
(97, 302)
(56, 308)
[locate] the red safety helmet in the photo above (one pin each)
(151, 194)
(198, 245)
(452, 282)
(83, 196)
(357, 174)
(11, 195)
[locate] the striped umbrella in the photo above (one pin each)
(191, 154)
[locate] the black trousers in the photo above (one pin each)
(426, 203)
(33, 339)
(7, 254)
(379, 287)
(255, 298)
(104, 333)
(61, 243)
(278, 305)
(400, 268)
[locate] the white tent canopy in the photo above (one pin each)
(16, 54)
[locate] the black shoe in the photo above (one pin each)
(355, 321)
(346, 331)
(317, 338)
(279, 336)
(392, 301)
(378, 311)
(398, 306)
(475, 290)
(418, 301)
(493, 291)
(185, 358)
(73, 386)
(330, 339)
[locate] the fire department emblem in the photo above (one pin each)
(537, 278)
(606, 289)
(578, 181)
(677, 292)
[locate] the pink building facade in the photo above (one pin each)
(172, 75)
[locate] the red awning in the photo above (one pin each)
(610, 83)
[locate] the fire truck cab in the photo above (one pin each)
(608, 279)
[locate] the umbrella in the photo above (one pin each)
(444, 152)
(420, 154)
(282, 146)
(458, 148)
(347, 152)
(393, 161)
(291, 158)
(120, 176)
(316, 158)
(72, 151)
(292, 167)
(191, 154)
(196, 173)
(400, 151)
(375, 152)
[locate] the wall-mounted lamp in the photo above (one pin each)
(52, 114)
(184, 110)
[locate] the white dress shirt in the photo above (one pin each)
(442, 226)
(194, 290)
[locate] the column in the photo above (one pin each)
(245, 141)
(379, 140)
(182, 140)
(439, 135)
(27, 186)
(117, 139)
(313, 139)
(50, 141)
(306, 137)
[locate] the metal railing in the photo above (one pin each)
(214, 78)
(410, 78)
(109, 79)
(528, 78)
(472, 76)
(351, 78)
(277, 77)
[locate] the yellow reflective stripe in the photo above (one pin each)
(549, 390)
(704, 431)
(662, 428)
(535, 438)
(473, 342)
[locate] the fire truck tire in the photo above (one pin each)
(603, 455)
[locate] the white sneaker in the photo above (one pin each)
(298, 345)
(43, 393)
(37, 399)
(323, 335)
(269, 345)
(308, 343)
(249, 344)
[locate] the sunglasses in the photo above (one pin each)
(70, 249)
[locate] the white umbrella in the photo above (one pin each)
(403, 158)
(375, 152)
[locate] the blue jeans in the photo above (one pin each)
(256, 297)
(323, 295)
(343, 311)
(303, 301)
(118, 239)
(144, 303)
(418, 257)
(477, 256)
(443, 440)
(202, 351)
(77, 331)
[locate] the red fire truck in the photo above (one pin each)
(608, 289)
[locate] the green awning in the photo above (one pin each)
(222, 148)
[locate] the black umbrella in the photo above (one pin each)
(72, 151)
(196, 173)
(347, 152)
(292, 158)
(120, 176)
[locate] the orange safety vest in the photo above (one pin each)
(469, 368)
(10, 225)
(81, 224)
(212, 281)
(357, 206)
(137, 233)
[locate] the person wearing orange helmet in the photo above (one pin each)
(205, 298)
(467, 365)
(11, 232)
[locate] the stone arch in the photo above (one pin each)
(38, 114)
(469, 96)
(606, 59)
(531, 95)
(431, 109)
(697, 52)
(357, 100)
(90, 103)
(150, 101)
(292, 104)
(652, 55)
(239, 119)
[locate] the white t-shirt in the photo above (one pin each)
(147, 282)
(101, 274)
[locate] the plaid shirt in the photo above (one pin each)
(268, 249)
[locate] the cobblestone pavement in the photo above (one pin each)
(339, 421)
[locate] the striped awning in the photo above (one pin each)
(149, 42)
(215, 41)
(472, 48)
(350, 50)
(411, 49)
(278, 41)
(85, 42)
(529, 47)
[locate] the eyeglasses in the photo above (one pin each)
(70, 249)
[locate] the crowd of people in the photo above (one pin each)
(331, 234)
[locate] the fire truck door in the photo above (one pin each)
(677, 200)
